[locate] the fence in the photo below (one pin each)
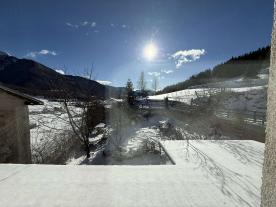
(254, 117)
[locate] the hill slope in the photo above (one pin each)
(36, 79)
(246, 66)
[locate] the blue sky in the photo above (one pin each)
(189, 35)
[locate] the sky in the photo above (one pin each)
(167, 39)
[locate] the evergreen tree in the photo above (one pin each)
(129, 92)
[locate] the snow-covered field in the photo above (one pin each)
(48, 120)
(182, 96)
(50, 129)
(188, 94)
(251, 100)
(207, 173)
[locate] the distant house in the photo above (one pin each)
(14, 126)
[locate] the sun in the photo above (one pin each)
(150, 51)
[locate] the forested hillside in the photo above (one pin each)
(247, 66)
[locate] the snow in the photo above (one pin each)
(234, 166)
(244, 89)
(207, 173)
(251, 100)
(50, 128)
(187, 94)
(132, 152)
(48, 120)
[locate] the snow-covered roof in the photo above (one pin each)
(207, 173)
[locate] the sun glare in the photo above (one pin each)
(150, 51)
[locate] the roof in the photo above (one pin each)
(211, 173)
(28, 99)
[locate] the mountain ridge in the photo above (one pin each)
(34, 78)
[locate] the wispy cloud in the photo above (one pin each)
(162, 72)
(167, 71)
(185, 56)
(104, 82)
(154, 74)
(118, 25)
(34, 54)
(76, 26)
(81, 24)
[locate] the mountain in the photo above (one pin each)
(244, 66)
(33, 78)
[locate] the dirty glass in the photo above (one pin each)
(174, 86)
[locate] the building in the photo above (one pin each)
(14, 126)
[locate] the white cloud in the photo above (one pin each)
(84, 23)
(47, 52)
(185, 56)
(60, 71)
(93, 24)
(72, 25)
(154, 73)
(124, 26)
(34, 54)
(167, 71)
(104, 82)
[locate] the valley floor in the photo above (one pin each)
(197, 165)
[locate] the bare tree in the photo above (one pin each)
(155, 83)
(83, 122)
(83, 113)
(142, 84)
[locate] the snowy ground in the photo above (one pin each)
(188, 94)
(50, 129)
(234, 166)
(251, 100)
(207, 173)
(133, 151)
(48, 120)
